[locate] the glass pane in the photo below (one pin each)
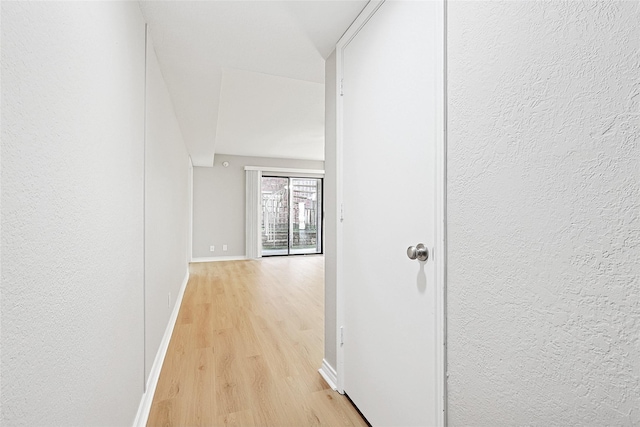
(305, 198)
(275, 216)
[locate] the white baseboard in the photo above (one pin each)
(147, 397)
(329, 374)
(219, 258)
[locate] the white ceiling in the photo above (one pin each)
(247, 77)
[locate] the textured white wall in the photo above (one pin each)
(219, 202)
(166, 208)
(72, 212)
(544, 213)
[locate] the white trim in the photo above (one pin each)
(147, 397)
(190, 207)
(366, 14)
(329, 374)
(440, 258)
(219, 258)
(439, 252)
(284, 170)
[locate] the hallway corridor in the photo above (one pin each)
(246, 349)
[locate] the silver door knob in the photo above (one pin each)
(419, 251)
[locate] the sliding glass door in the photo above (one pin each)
(275, 216)
(305, 216)
(291, 216)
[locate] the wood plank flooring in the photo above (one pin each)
(246, 349)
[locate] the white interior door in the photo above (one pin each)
(392, 72)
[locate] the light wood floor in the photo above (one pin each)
(246, 349)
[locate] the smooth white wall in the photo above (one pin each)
(330, 213)
(543, 213)
(166, 208)
(219, 202)
(72, 212)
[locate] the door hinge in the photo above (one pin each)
(341, 212)
(341, 335)
(341, 87)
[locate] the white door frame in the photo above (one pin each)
(439, 252)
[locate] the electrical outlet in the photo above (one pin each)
(212, 248)
(224, 247)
